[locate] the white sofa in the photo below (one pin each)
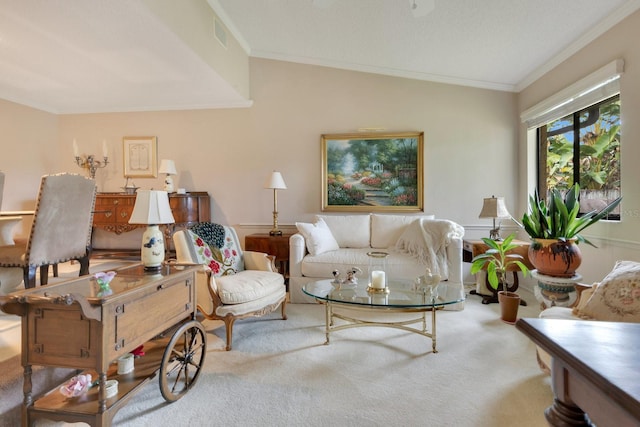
(339, 242)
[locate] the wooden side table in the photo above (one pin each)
(473, 248)
(277, 246)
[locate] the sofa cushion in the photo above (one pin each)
(386, 229)
(318, 237)
(350, 231)
(617, 297)
(248, 285)
(398, 266)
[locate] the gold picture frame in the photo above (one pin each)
(140, 156)
(365, 172)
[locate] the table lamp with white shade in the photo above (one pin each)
(152, 208)
(494, 207)
(275, 182)
(168, 167)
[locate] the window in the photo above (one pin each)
(583, 147)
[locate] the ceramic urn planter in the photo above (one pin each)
(556, 258)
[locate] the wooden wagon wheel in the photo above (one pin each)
(182, 360)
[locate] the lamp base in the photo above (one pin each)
(152, 253)
(168, 184)
(275, 233)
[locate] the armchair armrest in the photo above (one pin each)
(584, 292)
(259, 261)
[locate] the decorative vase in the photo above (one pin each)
(555, 258)
(509, 303)
(103, 279)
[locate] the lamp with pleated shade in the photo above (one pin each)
(152, 208)
(168, 167)
(494, 207)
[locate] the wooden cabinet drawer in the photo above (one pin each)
(142, 318)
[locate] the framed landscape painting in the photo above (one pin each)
(372, 172)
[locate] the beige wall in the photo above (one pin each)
(229, 153)
(29, 148)
(616, 240)
(196, 29)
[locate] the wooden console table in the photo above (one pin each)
(113, 210)
(70, 325)
(594, 368)
(277, 246)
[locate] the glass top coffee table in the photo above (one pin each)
(401, 298)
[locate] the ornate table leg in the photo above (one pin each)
(433, 329)
(28, 396)
(27, 386)
(328, 321)
(562, 414)
(102, 392)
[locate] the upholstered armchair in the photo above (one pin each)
(61, 229)
(615, 299)
(232, 284)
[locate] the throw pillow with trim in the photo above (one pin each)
(617, 297)
(318, 237)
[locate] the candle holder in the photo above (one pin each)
(377, 272)
(91, 164)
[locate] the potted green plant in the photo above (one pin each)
(554, 226)
(497, 261)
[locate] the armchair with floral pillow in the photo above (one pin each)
(233, 284)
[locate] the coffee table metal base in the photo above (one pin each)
(357, 323)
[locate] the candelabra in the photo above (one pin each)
(91, 164)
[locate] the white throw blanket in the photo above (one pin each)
(427, 239)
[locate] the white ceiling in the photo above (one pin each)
(75, 56)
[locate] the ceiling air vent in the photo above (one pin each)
(220, 32)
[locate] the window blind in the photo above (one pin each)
(597, 86)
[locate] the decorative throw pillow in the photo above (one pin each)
(222, 261)
(318, 237)
(213, 234)
(350, 231)
(617, 297)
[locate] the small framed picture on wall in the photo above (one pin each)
(140, 156)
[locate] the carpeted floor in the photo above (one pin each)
(280, 374)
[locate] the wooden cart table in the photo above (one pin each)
(69, 325)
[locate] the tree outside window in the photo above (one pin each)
(583, 147)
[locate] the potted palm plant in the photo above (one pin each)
(497, 261)
(554, 227)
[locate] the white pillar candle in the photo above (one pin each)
(75, 148)
(377, 279)
(104, 148)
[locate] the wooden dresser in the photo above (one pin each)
(113, 210)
